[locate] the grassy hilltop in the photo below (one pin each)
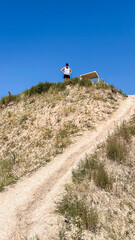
(39, 123)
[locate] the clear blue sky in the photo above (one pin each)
(37, 38)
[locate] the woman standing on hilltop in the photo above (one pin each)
(67, 71)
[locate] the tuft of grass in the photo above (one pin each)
(124, 132)
(62, 138)
(117, 145)
(91, 168)
(116, 149)
(24, 118)
(101, 84)
(66, 110)
(85, 82)
(47, 133)
(10, 98)
(62, 234)
(72, 207)
(98, 96)
(73, 81)
(121, 92)
(132, 125)
(38, 89)
(6, 175)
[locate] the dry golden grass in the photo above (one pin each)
(105, 182)
(38, 127)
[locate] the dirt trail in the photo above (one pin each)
(27, 208)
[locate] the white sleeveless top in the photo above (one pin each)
(66, 71)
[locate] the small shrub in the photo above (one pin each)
(66, 110)
(62, 234)
(131, 125)
(110, 96)
(85, 82)
(26, 92)
(24, 118)
(101, 178)
(6, 175)
(98, 96)
(62, 138)
(117, 146)
(72, 206)
(60, 86)
(101, 84)
(39, 88)
(120, 91)
(132, 129)
(116, 149)
(123, 131)
(10, 98)
(91, 168)
(47, 133)
(74, 81)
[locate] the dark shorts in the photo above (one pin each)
(66, 76)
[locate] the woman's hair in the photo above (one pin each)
(67, 64)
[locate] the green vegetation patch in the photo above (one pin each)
(71, 206)
(60, 86)
(92, 169)
(74, 204)
(116, 149)
(6, 175)
(63, 136)
(85, 82)
(118, 144)
(10, 98)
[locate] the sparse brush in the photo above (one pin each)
(24, 118)
(123, 131)
(117, 146)
(73, 81)
(91, 168)
(121, 92)
(101, 178)
(10, 98)
(101, 84)
(62, 234)
(98, 96)
(47, 133)
(116, 149)
(72, 206)
(60, 86)
(62, 138)
(131, 125)
(39, 88)
(6, 175)
(85, 82)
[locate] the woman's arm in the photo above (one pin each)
(62, 70)
(70, 70)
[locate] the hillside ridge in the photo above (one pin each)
(28, 207)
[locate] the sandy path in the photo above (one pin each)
(27, 208)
